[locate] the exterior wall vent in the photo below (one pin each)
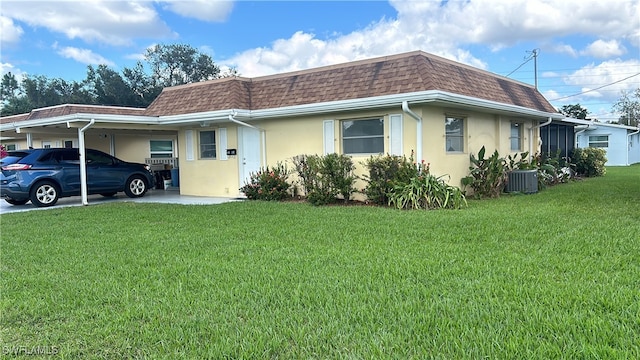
(523, 181)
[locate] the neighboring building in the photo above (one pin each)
(222, 130)
(621, 142)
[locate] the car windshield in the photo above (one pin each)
(13, 157)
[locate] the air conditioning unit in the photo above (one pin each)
(523, 181)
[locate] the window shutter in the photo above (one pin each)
(395, 134)
(188, 134)
(328, 133)
(222, 132)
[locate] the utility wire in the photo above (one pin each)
(598, 88)
(516, 69)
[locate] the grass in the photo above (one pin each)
(551, 275)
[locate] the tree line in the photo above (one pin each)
(163, 66)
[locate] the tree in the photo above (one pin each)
(574, 111)
(178, 64)
(629, 107)
(109, 88)
(10, 87)
(169, 65)
(140, 84)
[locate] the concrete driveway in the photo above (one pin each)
(152, 196)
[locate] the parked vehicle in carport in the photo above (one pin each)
(43, 176)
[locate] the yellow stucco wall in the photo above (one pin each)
(286, 138)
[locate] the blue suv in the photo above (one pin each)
(42, 176)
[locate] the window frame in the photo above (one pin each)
(448, 137)
(599, 142)
(201, 144)
(164, 154)
(518, 138)
(380, 136)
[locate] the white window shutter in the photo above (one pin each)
(328, 137)
(188, 134)
(222, 132)
(395, 134)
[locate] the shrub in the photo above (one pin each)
(554, 169)
(426, 191)
(385, 172)
(590, 161)
(268, 184)
(488, 175)
(324, 178)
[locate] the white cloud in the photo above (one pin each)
(607, 79)
(10, 32)
(444, 28)
(206, 10)
(563, 49)
(9, 68)
(84, 56)
(604, 49)
(110, 22)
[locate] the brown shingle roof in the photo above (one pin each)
(68, 109)
(403, 73)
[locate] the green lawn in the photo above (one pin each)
(551, 275)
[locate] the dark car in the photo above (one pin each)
(45, 175)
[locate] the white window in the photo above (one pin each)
(11, 147)
(516, 136)
(161, 148)
(454, 133)
(363, 136)
(207, 144)
(599, 141)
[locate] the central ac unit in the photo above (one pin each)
(523, 181)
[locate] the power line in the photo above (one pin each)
(598, 88)
(521, 65)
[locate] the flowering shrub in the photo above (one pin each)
(268, 184)
(3, 151)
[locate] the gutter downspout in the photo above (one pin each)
(83, 163)
(531, 136)
(580, 132)
(263, 135)
(629, 140)
(405, 108)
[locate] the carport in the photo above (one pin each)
(71, 124)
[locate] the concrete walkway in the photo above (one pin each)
(170, 196)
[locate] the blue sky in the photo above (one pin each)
(585, 47)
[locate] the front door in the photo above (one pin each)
(249, 153)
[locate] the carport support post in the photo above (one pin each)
(83, 162)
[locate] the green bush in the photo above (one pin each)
(385, 172)
(268, 184)
(554, 169)
(488, 175)
(324, 178)
(590, 161)
(426, 191)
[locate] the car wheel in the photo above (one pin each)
(136, 187)
(109, 194)
(44, 193)
(16, 202)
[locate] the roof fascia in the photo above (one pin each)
(102, 118)
(358, 104)
(589, 122)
